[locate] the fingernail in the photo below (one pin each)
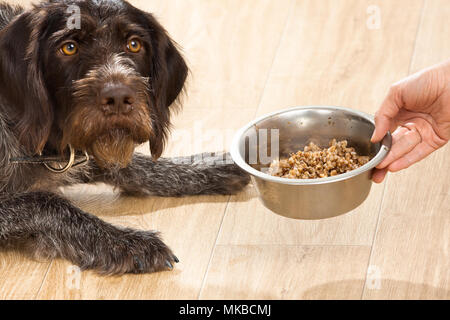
(176, 259)
(372, 139)
(381, 166)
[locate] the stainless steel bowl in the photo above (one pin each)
(279, 134)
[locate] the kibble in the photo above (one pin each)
(314, 162)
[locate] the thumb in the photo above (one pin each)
(384, 118)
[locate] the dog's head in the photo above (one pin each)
(99, 75)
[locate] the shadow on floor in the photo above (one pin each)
(103, 200)
(385, 289)
(339, 290)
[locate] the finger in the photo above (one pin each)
(384, 118)
(403, 141)
(382, 126)
(379, 175)
(420, 152)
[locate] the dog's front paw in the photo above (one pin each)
(230, 179)
(134, 252)
(225, 177)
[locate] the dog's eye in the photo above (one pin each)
(69, 49)
(134, 45)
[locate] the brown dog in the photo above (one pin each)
(99, 89)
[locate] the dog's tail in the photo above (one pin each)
(8, 12)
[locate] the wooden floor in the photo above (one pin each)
(249, 58)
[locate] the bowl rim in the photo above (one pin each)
(386, 144)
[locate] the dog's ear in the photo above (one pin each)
(21, 81)
(177, 72)
(167, 78)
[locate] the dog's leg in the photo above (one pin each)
(50, 226)
(197, 175)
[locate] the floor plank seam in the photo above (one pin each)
(419, 26)
(288, 19)
(213, 249)
(275, 56)
(422, 17)
(43, 280)
(375, 235)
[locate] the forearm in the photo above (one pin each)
(50, 226)
(177, 177)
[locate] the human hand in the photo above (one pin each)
(417, 111)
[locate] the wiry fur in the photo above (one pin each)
(87, 128)
(47, 102)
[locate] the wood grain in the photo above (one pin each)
(286, 272)
(197, 221)
(209, 119)
(248, 58)
(328, 56)
(20, 277)
(222, 43)
(412, 245)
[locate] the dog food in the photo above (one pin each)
(314, 162)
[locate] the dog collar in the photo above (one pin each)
(48, 160)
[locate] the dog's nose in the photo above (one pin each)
(117, 99)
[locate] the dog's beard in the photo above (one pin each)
(110, 142)
(113, 149)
